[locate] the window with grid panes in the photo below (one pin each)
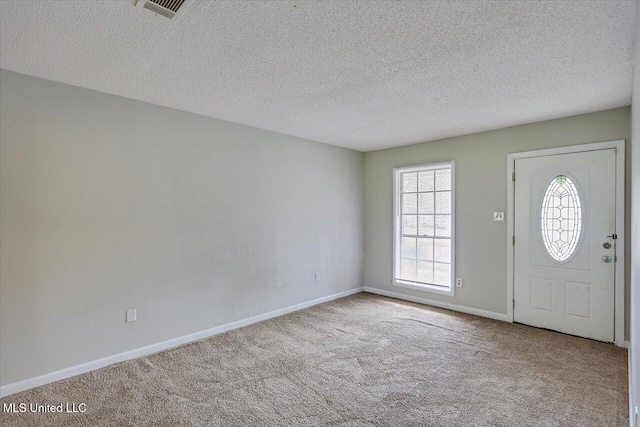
(423, 228)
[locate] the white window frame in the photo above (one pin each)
(397, 193)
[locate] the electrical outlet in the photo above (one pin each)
(317, 277)
(132, 316)
(458, 282)
(498, 216)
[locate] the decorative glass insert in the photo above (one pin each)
(424, 226)
(561, 218)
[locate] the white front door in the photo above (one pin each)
(564, 246)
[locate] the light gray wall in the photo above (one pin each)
(109, 204)
(634, 340)
(481, 189)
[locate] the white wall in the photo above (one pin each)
(634, 340)
(481, 189)
(109, 204)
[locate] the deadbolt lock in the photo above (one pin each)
(606, 245)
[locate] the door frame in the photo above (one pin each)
(618, 145)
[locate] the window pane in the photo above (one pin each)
(442, 274)
(408, 249)
(425, 249)
(443, 226)
(410, 203)
(425, 272)
(409, 182)
(410, 224)
(408, 269)
(426, 181)
(443, 179)
(443, 202)
(442, 250)
(425, 203)
(561, 218)
(426, 225)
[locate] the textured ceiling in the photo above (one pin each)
(359, 74)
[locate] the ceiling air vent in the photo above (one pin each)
(167, 8)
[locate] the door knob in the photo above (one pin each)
(607, 259)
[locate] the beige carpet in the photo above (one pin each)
(362, 360)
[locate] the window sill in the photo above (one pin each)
(424, 287)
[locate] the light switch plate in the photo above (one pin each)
(498, 216)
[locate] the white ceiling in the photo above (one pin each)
(358, 74)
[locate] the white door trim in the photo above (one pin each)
(619, 327)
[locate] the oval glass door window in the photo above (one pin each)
(561, 218)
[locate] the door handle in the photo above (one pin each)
(607, 259)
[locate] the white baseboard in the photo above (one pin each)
(454, 307)
(634, 417)
(72, 371)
